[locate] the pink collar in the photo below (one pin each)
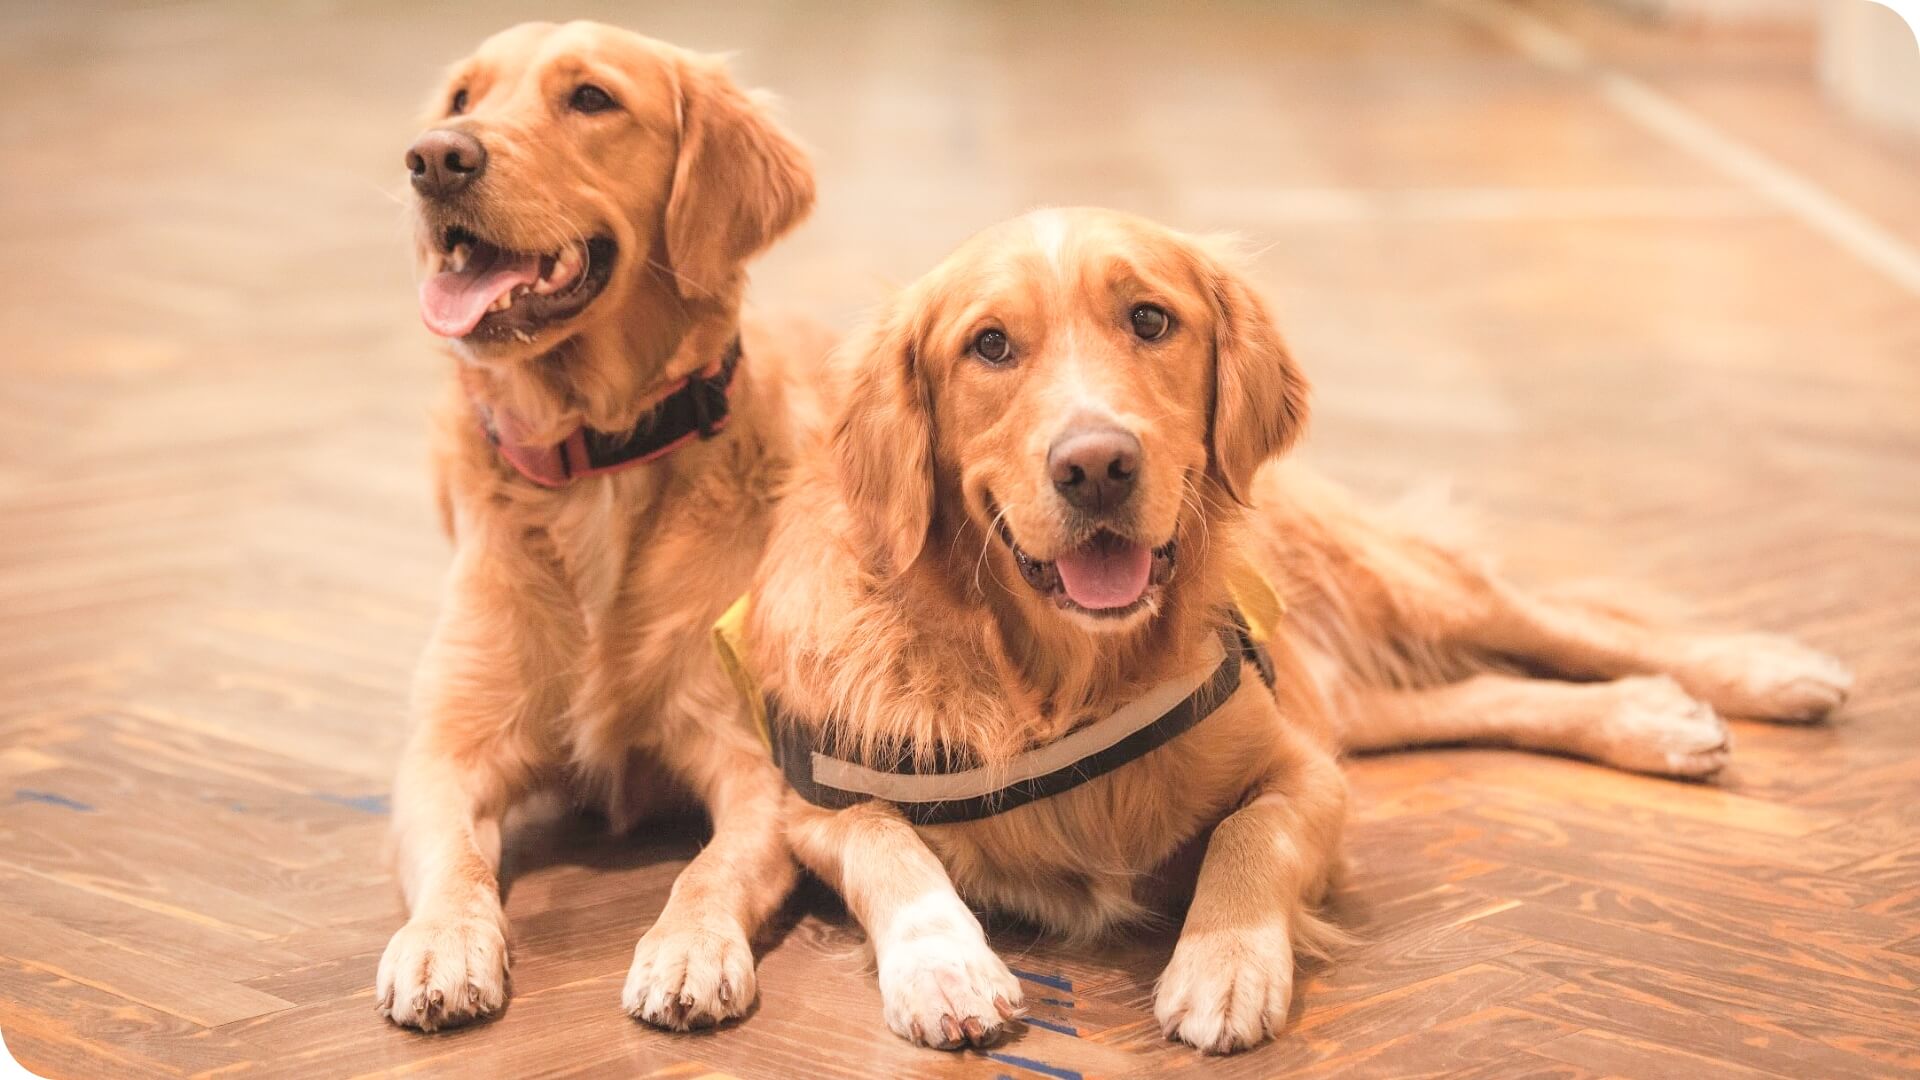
(696, 408)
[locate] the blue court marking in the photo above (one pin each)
(1060, 1026)
(1030, 1065)
(50, 798)
(1064, 1003)
(366, 804)
(1058, 982)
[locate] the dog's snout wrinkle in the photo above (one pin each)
(1094, 467)
(443, 162)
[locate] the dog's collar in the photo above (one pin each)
(694, 409)
(952, 791)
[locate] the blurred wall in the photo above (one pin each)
(1870, 61)
(1726, 12)
(1866, 52)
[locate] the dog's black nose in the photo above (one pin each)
(1094, 468)
(444, 162)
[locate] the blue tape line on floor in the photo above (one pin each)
(1030, 1065)
(50, 798)
(1058, 982)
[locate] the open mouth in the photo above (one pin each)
(478, 289)
(1106, 575)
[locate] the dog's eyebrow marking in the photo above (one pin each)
(1081, 385)
(1050, 232)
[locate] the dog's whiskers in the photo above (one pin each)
(986, 544)
(1193, 498)
(680, 278)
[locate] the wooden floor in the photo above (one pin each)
(1643, 299)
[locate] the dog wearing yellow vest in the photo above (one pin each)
(1008, 635)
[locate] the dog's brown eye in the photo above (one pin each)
(1149, 322)
(459, 103)
(588, 98)
(992, 346)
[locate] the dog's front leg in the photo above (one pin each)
(471, 756)
(940, 983)
(694, 966)
(448, 964)
(1230, 982)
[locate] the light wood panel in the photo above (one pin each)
(219, 558)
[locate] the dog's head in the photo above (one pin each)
(1090, 390)
(565, 168)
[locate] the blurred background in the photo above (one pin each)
(1637, 280)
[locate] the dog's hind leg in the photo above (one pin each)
(1644, 723)
(1401, 609)
(1763, 676)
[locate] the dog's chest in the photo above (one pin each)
(647, 564)
(594, 537)
(1112, 849)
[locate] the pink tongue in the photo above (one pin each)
(1104, 574)
(452, 304)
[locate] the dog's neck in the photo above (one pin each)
(616, 369)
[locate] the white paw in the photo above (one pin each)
(1767, 677)
(946, 989)
(690, 976)
(440, 972)
(1651, 725)
(1227, 990)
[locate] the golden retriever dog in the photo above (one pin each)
(1046, 478)
(605, 460)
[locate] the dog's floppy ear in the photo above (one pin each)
(1259, 395)
(738, 184)
(883, 441)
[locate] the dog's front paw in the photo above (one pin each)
(687, 977)
(1651, 725)
(443, 972)
(1767, 677)
(947, 990)
(1227, 990)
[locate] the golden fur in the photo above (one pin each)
(572, 648)
(894, 613)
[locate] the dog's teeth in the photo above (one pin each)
(457, 260)
(566, 267)
(504, 302)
